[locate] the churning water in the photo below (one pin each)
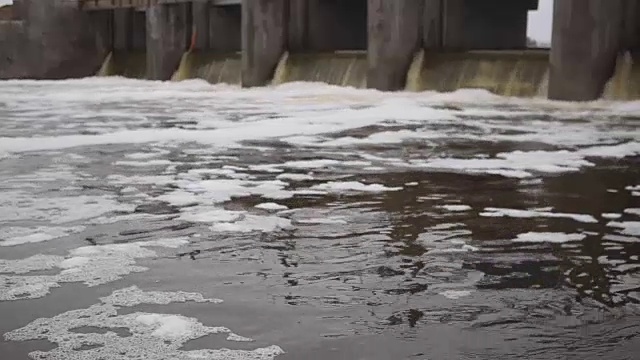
(151, 220)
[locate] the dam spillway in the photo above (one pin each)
(415, 45)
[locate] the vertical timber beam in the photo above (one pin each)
(395, 33)
(168, 32)
(264, 38)
(587, 36)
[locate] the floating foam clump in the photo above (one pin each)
(33, 263)
(271, 206)
(253, 223)
(631, 228)
(455, 207)
(21, 206)
(152, 336)
(133, 296)
(549, 237)
(335, 186)
(91, 265)
(24, 235)
(517, 213)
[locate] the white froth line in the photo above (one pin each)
(632, 211)
(310, 124)
(516, 213)
(455, 207)
(549, 237)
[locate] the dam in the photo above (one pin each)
(413, 45)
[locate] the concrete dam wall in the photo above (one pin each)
(414, 45)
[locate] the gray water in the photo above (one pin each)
(396, 226)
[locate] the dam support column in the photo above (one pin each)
(168, 34)
(57, 40)
(200, 30)
(587, 35)
(631, 26)
(264, 38)
(395, 33)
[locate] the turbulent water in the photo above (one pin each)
(150, 220)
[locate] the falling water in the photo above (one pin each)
(213, 67)
(625, 82)
(127, 64)
(344, 68)
(510, 73)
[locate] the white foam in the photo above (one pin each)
(153, 336)
(20, 206)
(154, 162)
(611, 215)
(633, 188)
(20, 235)
(294, 120)
(217, 191)
(146, 155)
(249, 223)
(311, 164)
(516, 213)
(91, 265)
(614, 151)
(452, 250)
(632, 211)
(549, 237)
(517, 164)
(210, 215)
(294, 177)
(271, 206)
(455, 208)
(33, 263)
(631, 228)
(455, 294)
(336, 186)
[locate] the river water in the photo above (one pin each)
(150, 220)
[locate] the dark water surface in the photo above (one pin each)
(407, 226)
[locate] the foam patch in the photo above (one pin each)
(153, 336)
(517, 213)
(25, 235)
(91, 265)
(549, 237)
